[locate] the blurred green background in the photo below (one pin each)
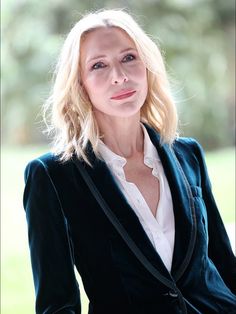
(197, 38)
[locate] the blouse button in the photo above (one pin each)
(148, 163)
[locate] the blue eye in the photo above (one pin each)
(128, 58)
(98, 66)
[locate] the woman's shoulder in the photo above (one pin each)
(48, 163)
(46, 160)
(180, 143)
(188, 150)
(187, 144)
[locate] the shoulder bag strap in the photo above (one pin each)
(121, 230)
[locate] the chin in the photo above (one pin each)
(127, 113)
(128, 108)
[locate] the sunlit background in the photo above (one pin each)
(197, 39)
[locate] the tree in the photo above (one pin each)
(197, 39)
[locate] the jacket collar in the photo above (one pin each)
(183, 205)
(112, 158)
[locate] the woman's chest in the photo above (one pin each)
(146, 183)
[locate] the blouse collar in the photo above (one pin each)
(112, 159)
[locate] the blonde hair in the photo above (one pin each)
(72, 121)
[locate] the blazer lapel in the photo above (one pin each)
(183, 206)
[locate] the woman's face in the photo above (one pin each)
(112, 72)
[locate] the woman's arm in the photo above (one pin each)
(219, 248)
(52, 262)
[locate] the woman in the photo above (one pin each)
(122, 198)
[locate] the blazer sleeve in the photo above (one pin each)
(219, 247)
(51, 250)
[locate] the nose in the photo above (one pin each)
(118, 76)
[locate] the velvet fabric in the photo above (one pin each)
(68, 229)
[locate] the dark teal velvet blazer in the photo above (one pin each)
(67, 228)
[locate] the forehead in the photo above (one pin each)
(102, 40)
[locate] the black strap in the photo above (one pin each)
(125, 236)
(121, 230)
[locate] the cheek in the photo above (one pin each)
(138, 71)
(141, 79)
(94, 86)
(141, 74)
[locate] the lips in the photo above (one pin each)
(123, 94)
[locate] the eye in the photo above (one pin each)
(98, 65)
(129, 57)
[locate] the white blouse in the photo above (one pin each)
(160, 229)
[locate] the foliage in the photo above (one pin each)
(197, 39)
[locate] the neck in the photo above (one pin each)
(124, 136)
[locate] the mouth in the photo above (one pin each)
(123, 94)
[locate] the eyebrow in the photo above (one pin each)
(103, 56)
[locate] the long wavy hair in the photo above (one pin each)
(72, 122)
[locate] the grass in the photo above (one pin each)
(221, 168)
(17, 285)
